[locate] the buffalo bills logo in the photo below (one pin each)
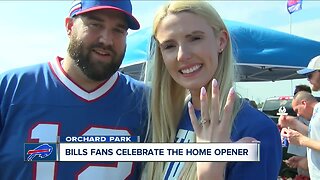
(42, 151)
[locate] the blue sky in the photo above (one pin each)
(33, 31)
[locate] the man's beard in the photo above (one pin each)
(97, 71)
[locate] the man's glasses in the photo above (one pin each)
(309, 75)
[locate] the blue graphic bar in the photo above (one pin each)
(99, 139)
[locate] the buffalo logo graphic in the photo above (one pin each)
(42, 151)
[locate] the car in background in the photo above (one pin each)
(275, 106)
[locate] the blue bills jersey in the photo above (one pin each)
(39, 103)
(249, 122)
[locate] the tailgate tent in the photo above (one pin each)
(261, 54)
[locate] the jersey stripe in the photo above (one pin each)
(89, 96)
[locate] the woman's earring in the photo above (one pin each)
(220, 51)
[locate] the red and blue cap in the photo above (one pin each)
(124, 6)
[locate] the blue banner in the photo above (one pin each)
(99, 139)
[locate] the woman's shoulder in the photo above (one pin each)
(250, 121)
(251, 115)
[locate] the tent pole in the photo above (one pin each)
(290, 24)
(292, 87)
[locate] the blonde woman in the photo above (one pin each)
(192, 98)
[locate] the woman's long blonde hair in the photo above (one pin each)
(168, 98)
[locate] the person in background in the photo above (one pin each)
(298, 123)
(193, 99)
(308, 107)
(305, 88)
(301, 164)
(302, 87)
(300, 160)
(312, 72)
(79, 94)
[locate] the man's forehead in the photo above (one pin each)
(294, 102)
(102, 13)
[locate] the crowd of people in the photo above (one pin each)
(191, 98)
